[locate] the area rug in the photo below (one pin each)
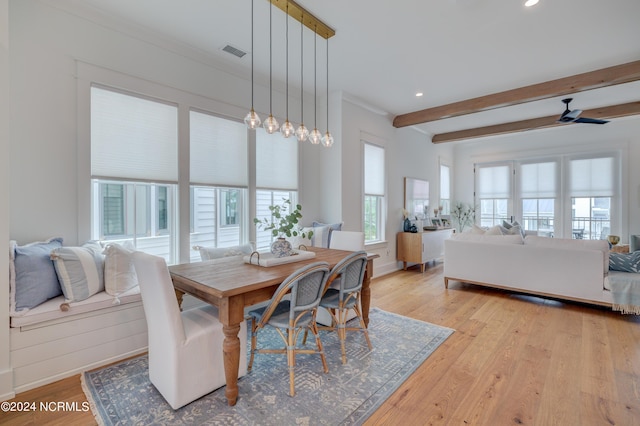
(121, 394)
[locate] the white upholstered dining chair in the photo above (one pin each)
(347, 240)
(185, 348)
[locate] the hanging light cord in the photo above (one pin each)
(315, 72)
(287, 60)
(252, 54)
(327, 84)
(270, 67)
(301, 70)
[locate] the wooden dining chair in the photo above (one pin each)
(185, 348)
(289, 317)
(349, 275)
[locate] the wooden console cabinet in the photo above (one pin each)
(421, 247)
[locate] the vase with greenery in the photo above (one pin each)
(463, 215)
(283, 223)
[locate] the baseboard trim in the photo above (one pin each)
(6, 383)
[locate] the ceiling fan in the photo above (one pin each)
(573, 116)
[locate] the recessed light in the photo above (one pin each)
(419, 94)
(530, 3)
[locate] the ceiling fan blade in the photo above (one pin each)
(590, 120)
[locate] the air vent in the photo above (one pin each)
(236, 52)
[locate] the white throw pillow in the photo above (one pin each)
(119, 272)
(80, 270)
(494, 230)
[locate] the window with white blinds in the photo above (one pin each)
(538, 191)
(374, 191)
(133, 137)
(494, 192)
(445, 189)
(218, 151)
(134, 171)
(373, 170)
(276, 161)
(219, 179)
(591, 177)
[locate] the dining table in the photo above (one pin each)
(232, 284)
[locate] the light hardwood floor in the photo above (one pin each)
(513, 359)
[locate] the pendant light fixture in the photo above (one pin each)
(315, 136)
(252, 120)
(287, 128)
(327, 139)
(302, 133)
(270, 124)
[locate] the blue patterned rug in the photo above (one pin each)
(121, 394)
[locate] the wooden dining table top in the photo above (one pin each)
(231, 276)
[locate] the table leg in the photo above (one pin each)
(365, 293)
(231, 353)
(231, 312)
(179, 295)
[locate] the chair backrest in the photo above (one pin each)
(161, 309)
(350, 273)
(306, 286)
(347, 240)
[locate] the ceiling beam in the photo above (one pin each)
(622, 110)
(300, 14)
(618, 74)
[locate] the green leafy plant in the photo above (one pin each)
(284, 221)
(463, 215)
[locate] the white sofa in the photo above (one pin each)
(554, 267)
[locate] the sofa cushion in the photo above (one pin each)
(625, 262)
(32, 275)
(489, 238)
(80, 270)
(209, 253)
(571, 244)
(119, 272)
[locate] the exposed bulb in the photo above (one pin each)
(271, 124)
(327, 140)
(302, 133)
(287, 129)
(315, 136)
(252, 120)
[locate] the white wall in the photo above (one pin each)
(568, 139)
(6, 376)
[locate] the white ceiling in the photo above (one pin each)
(386, 51)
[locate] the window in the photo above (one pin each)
(538, 193)
(374, 191)
(494, 193)
(592, 187)
(134, 170)
(276, 177)
(219, 180)
(445, 189)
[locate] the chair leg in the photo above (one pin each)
(342, 332)
(253, 342)
(314, 330)
(362, 325)
(291, 360)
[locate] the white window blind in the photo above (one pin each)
(218, 151)
(373, 170)
(592, 177)
(132, 137)
(445, 183)
(276, 161)
(538, 180)
(494, 182)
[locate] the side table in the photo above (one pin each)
(620, 248)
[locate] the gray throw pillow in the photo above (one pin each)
(35, 275)
(625, 262)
